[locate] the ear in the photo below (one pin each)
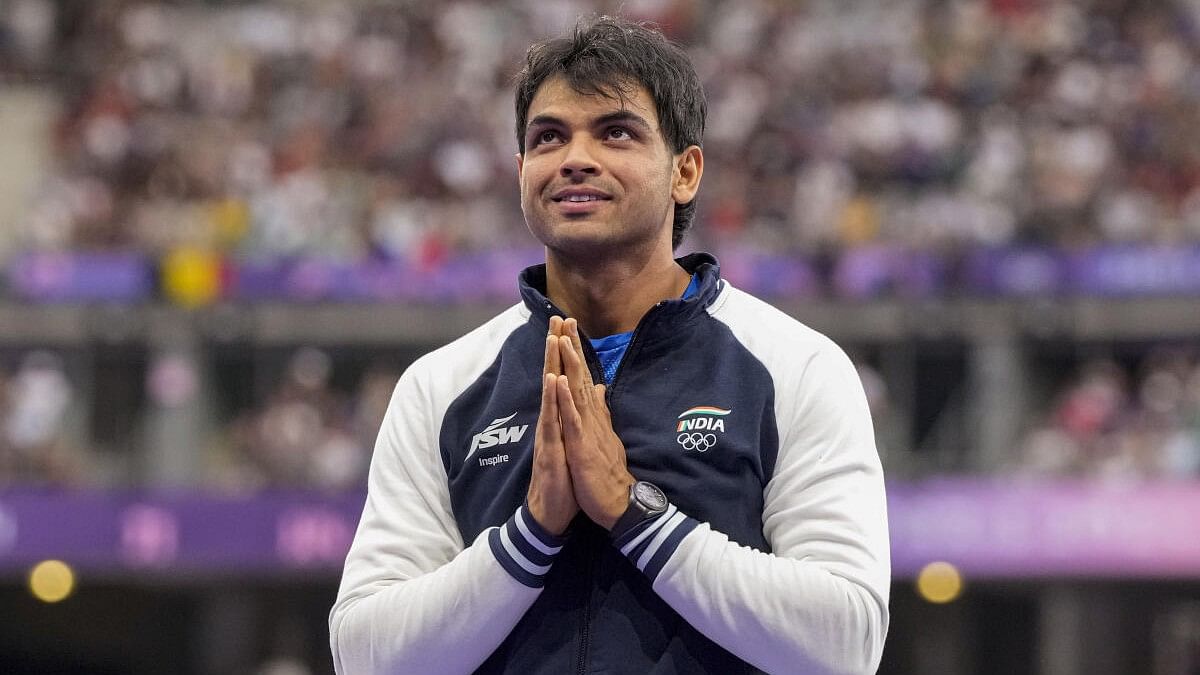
(520, 164)
(689, 167)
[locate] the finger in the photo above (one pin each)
(571, 329)
(575, 369)
(548, 424)
(553, 362)
(572, 423)
(553, 357)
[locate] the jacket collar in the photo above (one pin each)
(533, 291)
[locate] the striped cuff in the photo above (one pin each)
(524, 548)
(651, 544)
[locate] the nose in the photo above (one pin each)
(579, 161)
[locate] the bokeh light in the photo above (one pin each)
(51, 581)
(939, 582)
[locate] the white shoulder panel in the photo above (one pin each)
(413, 597)
(447, 371)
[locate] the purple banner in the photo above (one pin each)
(179, 534)
(1016, 272)
(857, 273)
(770, 275)
(986, 529)
(1101, 271)
(487, 276)
(884, 271)
(1137, 270)
(1064, 529)
(467, 277)
(81, 277)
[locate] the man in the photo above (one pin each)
(698, 491)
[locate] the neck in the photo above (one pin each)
(609, 296)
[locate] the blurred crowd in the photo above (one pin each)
(307, 433)
(352, 130)
(384, 130)
(1110, 422)
(304, 433)
(35, 443)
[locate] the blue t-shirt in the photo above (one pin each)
(611, 349)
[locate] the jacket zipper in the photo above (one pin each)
(589, 353)
(629, 351)
(593, 362)
(584, 638)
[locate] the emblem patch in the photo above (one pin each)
(698, 427)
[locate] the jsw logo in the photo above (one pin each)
(494, 435)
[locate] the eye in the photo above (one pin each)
(618, 134)
(547, 136)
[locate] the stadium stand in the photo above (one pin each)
(226, 227)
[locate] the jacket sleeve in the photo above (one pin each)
(412, 598)
(818, 603)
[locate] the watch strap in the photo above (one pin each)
(635, 514)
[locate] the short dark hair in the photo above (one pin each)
(606, 56)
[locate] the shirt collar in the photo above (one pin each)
(703, 266)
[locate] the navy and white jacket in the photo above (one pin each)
(774, 555)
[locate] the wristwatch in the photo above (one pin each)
(646, 501)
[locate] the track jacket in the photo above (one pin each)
(773, 555)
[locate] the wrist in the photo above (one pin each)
(539, 530)
(646, 503)
(538, 513)
(617, 503)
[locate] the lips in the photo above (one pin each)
(579, 201)
(580, 195)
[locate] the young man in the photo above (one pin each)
(696, 492)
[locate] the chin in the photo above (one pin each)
(587, 235)
(562, 230)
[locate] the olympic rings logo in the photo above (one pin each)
(696, 441)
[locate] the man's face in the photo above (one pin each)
(597, 174)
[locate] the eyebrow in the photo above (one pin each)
(607, 118)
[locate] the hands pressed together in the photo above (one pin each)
(578, 460)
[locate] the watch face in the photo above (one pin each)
(649, 495)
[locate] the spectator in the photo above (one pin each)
(305, 435)
(34, 404)
(272, 129)
(1105, 425)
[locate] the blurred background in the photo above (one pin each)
(227, 226)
